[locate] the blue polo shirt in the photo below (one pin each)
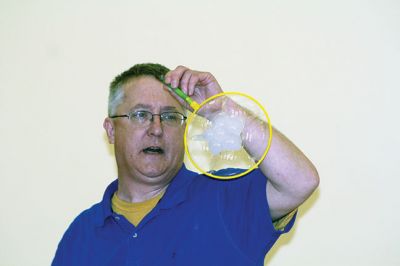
(198, 221)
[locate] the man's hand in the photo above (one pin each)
(196, 84)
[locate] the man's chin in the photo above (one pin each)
(160, 170)
(158, 174)
(154, 172)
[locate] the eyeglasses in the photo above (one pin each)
(143, 118)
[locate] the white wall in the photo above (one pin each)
(327, 72)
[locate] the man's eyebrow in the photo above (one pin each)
(141, 106)
(169, 108)
(149, 107)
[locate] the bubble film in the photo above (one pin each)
(220, 134)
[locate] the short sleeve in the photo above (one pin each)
(245, 212)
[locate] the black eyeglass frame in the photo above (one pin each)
(130, 114)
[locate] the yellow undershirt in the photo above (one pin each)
(134, 212)
(281, 223)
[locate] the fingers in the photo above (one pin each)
(173, 77)
(187, 75)
(184, 78)
(191, 84)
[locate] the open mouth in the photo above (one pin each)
(153, 150)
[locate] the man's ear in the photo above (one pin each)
(109, 127)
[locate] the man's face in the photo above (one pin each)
(148, 154)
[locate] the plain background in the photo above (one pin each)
(327, 71)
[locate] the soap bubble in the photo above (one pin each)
(215, 139)
(224, 133)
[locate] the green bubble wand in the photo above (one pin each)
(178, 91)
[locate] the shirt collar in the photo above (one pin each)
(177, 189)
(175, 194)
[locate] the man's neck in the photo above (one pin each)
(130, 191)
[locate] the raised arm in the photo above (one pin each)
(291, 176)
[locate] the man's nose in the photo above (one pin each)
(156, 127)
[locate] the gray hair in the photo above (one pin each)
(116, 87)
(115, 98)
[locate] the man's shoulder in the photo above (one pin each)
(92, 212)
(87, 218)
(96, 214)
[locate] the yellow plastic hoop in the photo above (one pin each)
(192, 116)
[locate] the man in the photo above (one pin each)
(159, 213)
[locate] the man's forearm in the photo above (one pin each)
(291, 176)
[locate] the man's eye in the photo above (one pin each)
(140, 115)
(170, 116)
